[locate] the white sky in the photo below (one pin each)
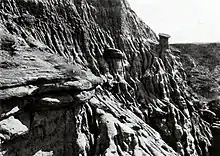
(184, 20)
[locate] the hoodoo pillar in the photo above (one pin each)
(163, 44)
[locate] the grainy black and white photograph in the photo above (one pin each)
(109, 78)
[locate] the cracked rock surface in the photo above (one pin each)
(84, 78)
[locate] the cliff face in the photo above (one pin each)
(201, 63)
(66, 90)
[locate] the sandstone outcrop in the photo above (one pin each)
(83, 77)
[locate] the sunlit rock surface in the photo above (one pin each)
(85, 77)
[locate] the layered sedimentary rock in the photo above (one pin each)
(201, 63)
(86, 77)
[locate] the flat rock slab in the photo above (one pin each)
(31, 65)
(17, 91)
(37, 70)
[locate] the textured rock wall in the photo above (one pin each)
(201, 63)
(64, 92)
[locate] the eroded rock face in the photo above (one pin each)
(70, 97)
(201, 63)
